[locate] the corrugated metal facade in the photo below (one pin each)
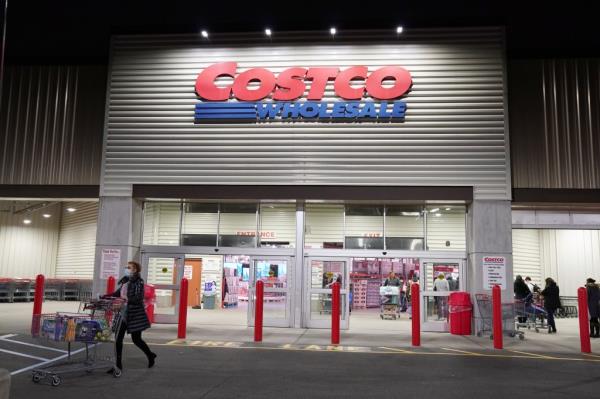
(77, 240)
(51, 124)
(526, 254)
(555, 123)
(454, 133)
(28, 250)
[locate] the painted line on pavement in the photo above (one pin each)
(533, 354)
(589, 354)
(464, 352)
(47, 362)
(23, 355)
(8, 336)
(31, 345)
(351, 349)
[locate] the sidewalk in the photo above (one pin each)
(231, 328)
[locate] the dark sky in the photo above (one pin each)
(79, 31)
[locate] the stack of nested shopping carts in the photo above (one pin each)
(91, 330)
(484, 318)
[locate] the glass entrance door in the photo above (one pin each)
(320, 274)
(438, 278)
(165, 273)
(276, 274)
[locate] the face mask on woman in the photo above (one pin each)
(127, 272)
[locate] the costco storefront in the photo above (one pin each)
(299, 161)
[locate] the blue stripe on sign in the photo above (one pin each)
(226, 116)
(225, 105)
(225, 111)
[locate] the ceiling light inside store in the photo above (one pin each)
(434, 210)
(399, 30)
(411, 213)
(333, 31)
(46, 215)
(438, 214)
(27, 221)
(204, 34)
(71, 210)
(268, 32)
(447, 209)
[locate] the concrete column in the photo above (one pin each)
(119, 227)
(489, 233)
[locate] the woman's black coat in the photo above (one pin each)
(551, 297)
(136, 318)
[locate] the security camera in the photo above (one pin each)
(216, 249)
(384, 252)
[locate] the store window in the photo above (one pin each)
(199, 225)
(404, 228)
(446, 227)
(277, 225)
(238, 225)
(161, 223)
(324, 226)
(364, 227)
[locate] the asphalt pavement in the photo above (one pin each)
(202, 370)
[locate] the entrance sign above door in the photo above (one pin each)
(383, 84)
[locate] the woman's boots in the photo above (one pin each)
(594, 329)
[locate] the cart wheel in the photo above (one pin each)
(36, 377)
(56, 381)
(117, 373)
(521, 337)
(537, 330)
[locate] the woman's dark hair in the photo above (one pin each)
(549, 281)
(136, 266)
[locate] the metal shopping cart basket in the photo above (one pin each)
(529, 314)
(390, 301)
(92, 331)
(484, 317)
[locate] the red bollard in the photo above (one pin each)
(37, 304)
(584, 325)
(258, 311)
(183, 296)
(415, 303)
(110, 285)
(497, 317)
(335, 313)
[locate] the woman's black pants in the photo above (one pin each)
(136, 337)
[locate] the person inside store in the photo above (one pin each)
(133, 315)
(452, 283)
(532, 287)
(403, 300)
(593, 297)
(551, 294)
(441, 285)
(522, 293)
(391, 281)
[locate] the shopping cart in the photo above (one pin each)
(390, 301)
(485, 322)
(529, 314)
(92, 330)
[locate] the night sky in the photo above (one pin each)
(79, 31)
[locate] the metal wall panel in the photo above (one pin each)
(51, 124)
(454, 133)
(77, 240)
(555, 123)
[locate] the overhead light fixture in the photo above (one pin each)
(434, 210)
(268, 32)
(46, 215)
(204, 34)
(447, 209)
(438, 214)
(71, 210)
(411, 213)
(333, 31)
(26, 221)
(399, 30)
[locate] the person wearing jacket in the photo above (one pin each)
(551, 296)
(522, 292)
(135, 320)
(593, 297)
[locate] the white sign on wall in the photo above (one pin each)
(109, 265)
(494, 272)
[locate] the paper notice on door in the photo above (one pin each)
(187, 272)
(109, 265)
(494, 272)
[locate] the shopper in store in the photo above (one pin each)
(441, 285)
(593, 297)
(522, 293)
(134, 318)
(453, 284)
(551, 295)
(532, 287)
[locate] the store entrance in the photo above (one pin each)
(275, 274)
(438, 279)
(165, 272)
